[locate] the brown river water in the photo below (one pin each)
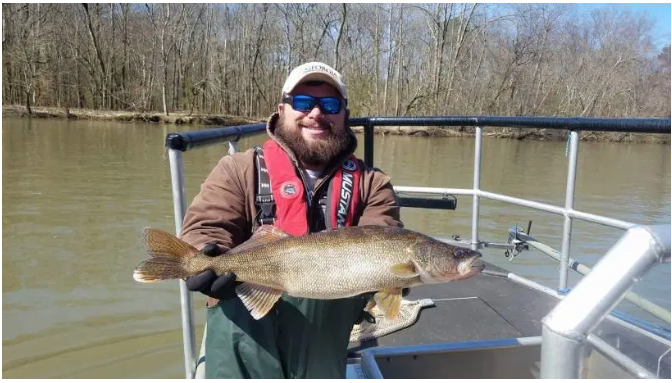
(77, 194)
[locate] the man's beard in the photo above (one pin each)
(319, 152)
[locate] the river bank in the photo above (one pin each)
(185, 118)
(177, 118)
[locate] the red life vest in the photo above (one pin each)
(290, 196)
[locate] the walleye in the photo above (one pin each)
(325, 265)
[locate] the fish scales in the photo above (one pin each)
(325, 265)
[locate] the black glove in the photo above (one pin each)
(365, 315)
(208, 283)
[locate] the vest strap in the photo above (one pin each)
(264, 195)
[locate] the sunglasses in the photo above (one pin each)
(305, 103)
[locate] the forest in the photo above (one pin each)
(397, 59)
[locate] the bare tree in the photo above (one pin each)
(340, 34)
(398, 59)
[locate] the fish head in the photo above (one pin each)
(438, 262)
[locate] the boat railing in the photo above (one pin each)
(177, 143)
(565, 329)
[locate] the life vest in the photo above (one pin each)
(282, 200)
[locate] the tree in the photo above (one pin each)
(401, 59)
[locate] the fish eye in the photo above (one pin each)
(462, 253)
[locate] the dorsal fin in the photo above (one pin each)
(263, 236)
(159, 243)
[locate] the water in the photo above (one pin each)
(77, 195)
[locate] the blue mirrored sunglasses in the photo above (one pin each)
(305, 103)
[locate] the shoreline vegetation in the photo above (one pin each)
(224, 64)
(196, 119)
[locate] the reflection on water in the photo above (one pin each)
(77, 194)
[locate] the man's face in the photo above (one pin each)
(314, 136)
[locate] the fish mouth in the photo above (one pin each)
(472, 267)
(477, 265)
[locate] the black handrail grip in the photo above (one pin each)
(198, 138)
(428, 203)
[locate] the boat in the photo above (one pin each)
(498, 324)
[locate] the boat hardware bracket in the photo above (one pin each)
(457, 240)
(518, 244)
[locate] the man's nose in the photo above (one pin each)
(315, 111)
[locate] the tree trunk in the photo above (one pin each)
(163, 89)
(124, 69)
(390, 58)
(253, 69)
(340, 34)
(376, 46)
(28, 109)
(99, 53)
(164, 56)
(456, 56)
(400, 59)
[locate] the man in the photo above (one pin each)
(305, 179)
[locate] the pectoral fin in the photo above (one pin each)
(259, 300)
(404, 270)
(389, 302)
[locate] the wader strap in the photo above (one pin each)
(264, 196)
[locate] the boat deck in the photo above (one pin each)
(489, 307)
(479, 308)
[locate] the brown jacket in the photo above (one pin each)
(224, 210)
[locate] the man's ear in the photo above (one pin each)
(281, 108)
(347, 115)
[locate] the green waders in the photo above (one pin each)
(299, 338)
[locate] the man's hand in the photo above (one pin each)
(208, 283)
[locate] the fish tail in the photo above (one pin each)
(172, 258)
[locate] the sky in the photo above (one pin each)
(658, 12)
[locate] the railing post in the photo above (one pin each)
(179, 207)
(368, 144)
(477, 187)
(566, 328)
(569, 205)
(233, 147)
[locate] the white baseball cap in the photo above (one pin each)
(315, 71)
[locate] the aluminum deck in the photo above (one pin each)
(479, 308)
(488, 307)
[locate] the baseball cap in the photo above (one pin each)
(315, 71)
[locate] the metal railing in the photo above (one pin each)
(181, 142)
(516, 234)
(565, 329)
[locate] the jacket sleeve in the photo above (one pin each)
(380, 204)
(218, 212)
